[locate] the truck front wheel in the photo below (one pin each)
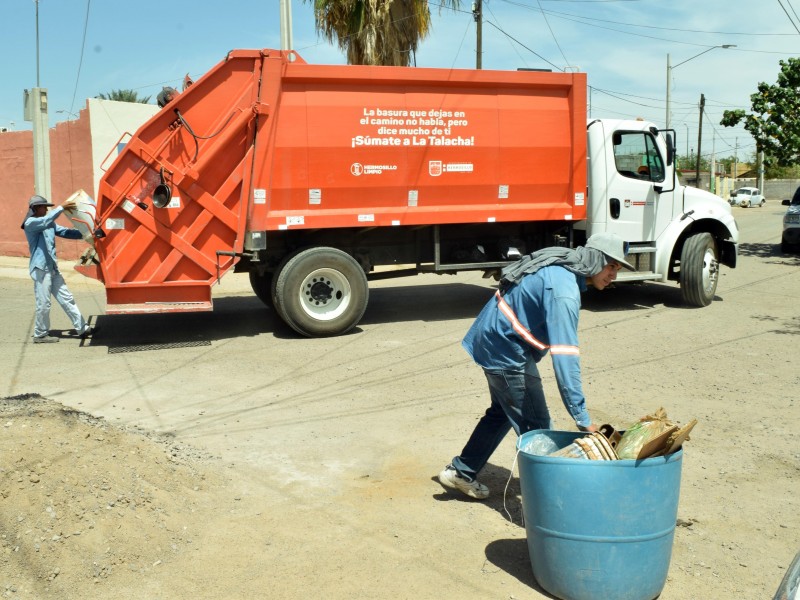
(699, 270)
(320, 292)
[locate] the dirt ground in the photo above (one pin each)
(219, 456)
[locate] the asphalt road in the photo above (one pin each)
(226, 378)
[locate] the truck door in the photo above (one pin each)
(636, 210)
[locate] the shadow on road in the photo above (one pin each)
(440, 302)
(246, 316)
(512, 556)
(233, 316)
(772, 251)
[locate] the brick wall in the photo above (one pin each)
(70, 170)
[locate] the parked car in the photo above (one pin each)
(790, 239)
(747, 197)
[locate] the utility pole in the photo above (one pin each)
(699, 139)
(669, 75)
(478, 16)
(286, 25)
(713, 170)
(35, 110)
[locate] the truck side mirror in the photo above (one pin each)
(670, 148)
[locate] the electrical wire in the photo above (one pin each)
(461, 45)
(582, 21)
(511, 37)
(80, 61)
(552, 33)
(513, 46)
(677, 29)
(789, 16)
(789, 2)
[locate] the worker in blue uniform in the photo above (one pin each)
(535, 311)
(41, 231)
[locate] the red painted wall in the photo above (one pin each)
(70, 170)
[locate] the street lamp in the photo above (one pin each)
(669, 71)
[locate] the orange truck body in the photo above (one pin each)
(284, 145)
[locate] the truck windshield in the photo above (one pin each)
(636, 156)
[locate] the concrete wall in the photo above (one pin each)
(112, 124)
(774, 190)
(80, 151)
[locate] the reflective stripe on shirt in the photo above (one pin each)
(527, 335)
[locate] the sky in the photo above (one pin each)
(84, 48)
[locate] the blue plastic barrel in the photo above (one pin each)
(597, 530)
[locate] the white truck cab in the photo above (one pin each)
(675, 232)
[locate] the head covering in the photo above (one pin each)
(37, 200)
(612, 246)
(585, 260)
(34, 201)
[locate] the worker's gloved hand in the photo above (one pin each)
(69, 205)
(591, 428)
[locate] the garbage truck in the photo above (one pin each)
(316, 179)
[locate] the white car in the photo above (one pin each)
(747, 197)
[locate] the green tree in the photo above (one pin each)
(124, 96)
(775, 120)
(375, 32)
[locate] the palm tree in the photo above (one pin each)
(375, 32)
(124, 96)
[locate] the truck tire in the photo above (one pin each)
(320, 292)
(699, 270)
(262, 286)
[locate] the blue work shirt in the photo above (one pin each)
(41, 233)
(537, 315)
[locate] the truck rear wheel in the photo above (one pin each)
(320, 292)
(699, 270)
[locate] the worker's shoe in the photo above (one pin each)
(45, 339)
(86, 332)
(450, 478)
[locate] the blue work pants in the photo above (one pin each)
(47, 283)
(517, 401)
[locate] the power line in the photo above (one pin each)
(678, 29)
(552, 33)
(789, 2)
(524, 46)
(788, 15)
(80, 61)
(582, 21)
(513, 47)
